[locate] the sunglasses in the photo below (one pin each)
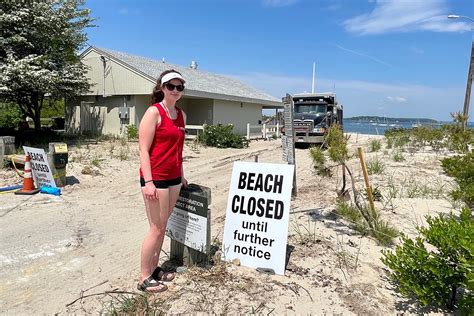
(171, 87)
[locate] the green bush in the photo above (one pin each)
(375, 166)
(52, 108)
(337, 144)
(10, 115)
(383, 232)
(319, 162)
(221, 136)
(398, 156)
(397, 137)
(457, 138)
(443, 274)
(375, 145)
(461, 168)
(132, 132)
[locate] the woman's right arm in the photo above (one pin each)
(146, 133)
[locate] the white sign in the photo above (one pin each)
(188, 222)
(258, 210)
(288, 149)
(40, 167)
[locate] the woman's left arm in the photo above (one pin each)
(183, 179)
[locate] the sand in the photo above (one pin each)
(88, 240)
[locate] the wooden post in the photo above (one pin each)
(366, 177)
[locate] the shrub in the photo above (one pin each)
(337, 144)
(462, 169)
(375, 145)
(398, 156)
(221, 136)
(319, 162)
(383, 232)
(375, 166)
(132, 132)
(446, 269)
(458, 137)
(10, 115)
(450, 136)
(397, 137)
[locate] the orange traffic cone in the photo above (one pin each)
(28, 185)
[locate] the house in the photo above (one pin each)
(121, 86)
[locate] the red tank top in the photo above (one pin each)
(166, 150)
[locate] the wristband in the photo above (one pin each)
(148, 181)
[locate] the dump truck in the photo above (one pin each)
(313, 114)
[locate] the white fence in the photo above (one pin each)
(261, 131)
(192, 131)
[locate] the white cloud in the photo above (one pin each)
(127, 11)
(278, 3)
(417, 50)
(334, 7)
(123, 11)
(397, 99)
(441, 24)
(365, 97)
(363, 55)
(405, 16)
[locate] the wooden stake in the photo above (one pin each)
(366, 177)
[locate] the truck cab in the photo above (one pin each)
(313, 114)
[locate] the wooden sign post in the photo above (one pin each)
(366, 177)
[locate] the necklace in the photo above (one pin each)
(167, 111)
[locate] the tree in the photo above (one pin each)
(39, 41)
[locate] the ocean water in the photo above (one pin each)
(372, 128)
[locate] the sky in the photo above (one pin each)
(393, 58)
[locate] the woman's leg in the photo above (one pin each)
(163, 200)
(167, 198)
(157, 213)
(171, 195)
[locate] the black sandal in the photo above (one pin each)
(164, 276)
(149, 283)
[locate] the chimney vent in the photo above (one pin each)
(163, 60)
(194, 65)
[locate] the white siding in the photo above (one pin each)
(99, 115)
(198, 111)
(237, 113)
(119, 79)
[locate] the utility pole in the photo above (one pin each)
(467, 98)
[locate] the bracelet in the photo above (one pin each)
(148, 181)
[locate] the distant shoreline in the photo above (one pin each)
(390, 119)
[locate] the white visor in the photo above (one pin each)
(171, 76)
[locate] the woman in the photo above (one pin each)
(161, 138)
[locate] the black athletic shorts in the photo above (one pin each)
(162, 184)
